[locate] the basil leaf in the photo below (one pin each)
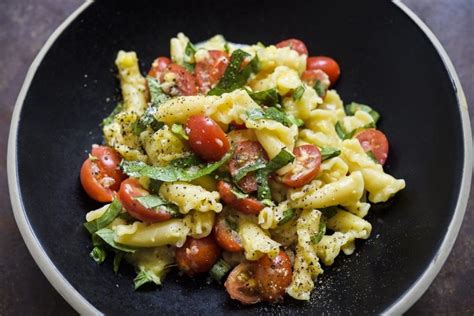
(117, 260)
(298, 122)
(150, 201)
(232, 223)
(329, 152)
(147, 120)
(269, 97)
(239, 194)
(320, 88)
(267, 202)
(188, 61)
(272, 114)
(184, 169)
(371, 155)
(283, 158)
(259, 164)
(227, 47)
(107, 235)
(145, 276)
(234, 76)
(342, 133)
(219, 270)
(98, 254)
(109, 215)
(263, 189)
(298, 93)
(316, 238)
(157, 95)
(354, 107)
(329, 212)
(178, 129)
(154, 185)
(110, 118)
(287, 216)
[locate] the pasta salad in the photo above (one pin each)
(236, 161)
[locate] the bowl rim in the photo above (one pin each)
(81, 305)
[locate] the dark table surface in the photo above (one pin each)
(24, 27)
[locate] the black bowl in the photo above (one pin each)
(389, 59)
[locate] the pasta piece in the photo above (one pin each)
(320, 129)
(303, 107)
(177, 49)
(156, 261)
(358, 208)
(346, 222)
(171, 232)
(381, 186)
(346, 190)
(330, 246)
(241, 135)
(333, 102)
(332, 170)
(285, 234)
(284, 79)
(271, 57)
(95, 214)
(358, 120)
(179, 109)
(190, 197)
(200, 224)
(163, 146)
(256, 242)
(217, 42)
(270, 216)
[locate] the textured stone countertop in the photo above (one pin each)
(24, 27)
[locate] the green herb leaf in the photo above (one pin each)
(329, 212)
(117, 260)
(178, 129)
(354, 107)
(219, 270)
(298, 93)
(298, 122)
(287, 216)
(283, 158)
(107, 235)
(150, 201)
(188, 61)
(269, 97)
(227, 47)
(109, 215)
(342, 133)
(109, 119)
(371, 155)
(274, 114)
(147, 120)
(263, 188)
(320, 88)
(145, 276)
(316, 238)
(234, 76)
(329, 152)
(232, 222)
(98, 254)
(184, 169)
(259, 164)
(157, 95)
(154, 186)
(239, 194)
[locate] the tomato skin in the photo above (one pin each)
(308, 161)
(245, 205)
(294, 44)
(197, 255)
(184, 82)
(89, 176)
(241, 284)
(245, 154)
(326, 64)
(129, 190)
(109, 160)
(273, 276)
(236, 127)
(206, 138)
(374, 140)
(226, 238)
(209, 71)
(158, 65)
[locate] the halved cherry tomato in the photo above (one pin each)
(227, 238)
(311, 76)
(100, 174)
(246, 153)
(306, 166)
(375, 141)
(241, 284)
(206, 138)
(197, 255)
(183, 82)
(235, 127)
(210, 70)
(246, 205)
(326, 64)
(158, 65)
(130, 189)
(273, 276)
(294, 44)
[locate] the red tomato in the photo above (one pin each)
(273, 276)
(246, 205)
(294, 44)
(227, 238)
(184, 81)
(312, 76)
(235, 127)
(326, 64)
(197, 255)
(209, 71)
(206, 138)
(158, 65)
(246, 153)
(241, 284)
(130, 189)
(306, 166)
(375, 141)
(101, 175)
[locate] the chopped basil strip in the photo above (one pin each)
(154, 185)
(226, 47)
(150, 201)
(263, 189)
(232, 223)
(183, 169)
(316, 238)
(354, 107)
(342, 133)
(283, 158)
(178, 129)
(320, 88)
(109, 119)
(329, 152)
(98, 254)
(371, 155)
(259, 164)
(272, 114)
(268, 97)
(109, 215)
(298, 93)
(298, 122)
(157, 95)
(117, 260)
(234, 76)
(329, 212)
(239, 194)
(145, 276)
(287, 216)
(107, 235)
(219, 270)
(147, 120)
(188, 61)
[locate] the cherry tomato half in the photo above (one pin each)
(246, 153)
(197, 255)
(273, 276)
(210, 70)
(375, 141)
(306, 166)
(326, 64)
(294, 44)
(100, 174)
(241, 284)
(227, 238)
(158, 65)
(130, 189)
(246, 205)
(206, 138)
(184, 82)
